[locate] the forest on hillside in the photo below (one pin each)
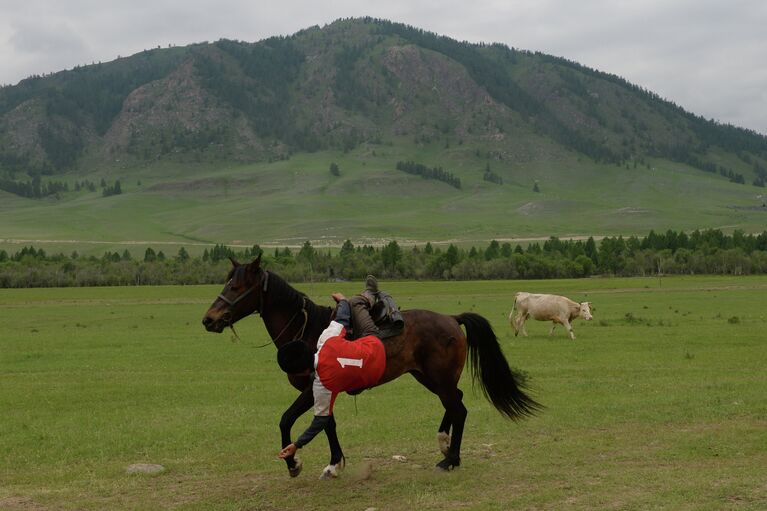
(259, 102)
(700, 252)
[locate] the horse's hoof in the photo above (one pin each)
(332, 471)
(296, 469)
(447, 464)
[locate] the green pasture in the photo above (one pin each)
(170, 205)
(660, 403)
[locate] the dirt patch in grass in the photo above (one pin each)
(20, 504)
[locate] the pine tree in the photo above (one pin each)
(183, 255)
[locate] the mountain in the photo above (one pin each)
(354, 81)
(490, 116)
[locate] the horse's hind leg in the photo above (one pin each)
(443, 433)
(456, 412)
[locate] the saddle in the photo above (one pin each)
(386, 316)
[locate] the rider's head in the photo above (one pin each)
(295, 357)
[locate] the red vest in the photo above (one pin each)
(343, 366)
(351, 365)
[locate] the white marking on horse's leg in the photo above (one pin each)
(443, 440)
(296, 468)
(332, 471)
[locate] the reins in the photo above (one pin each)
(303, 327)
(299, 335)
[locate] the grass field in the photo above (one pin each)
(371, 202)
(661, 403)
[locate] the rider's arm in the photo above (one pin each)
(339, 325)
(318, 424)
(343, 313)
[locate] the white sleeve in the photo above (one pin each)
(322, 398)
(333, 329)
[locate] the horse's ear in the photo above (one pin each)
(235, 264)
(255, 265)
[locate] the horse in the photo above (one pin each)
(432, 347)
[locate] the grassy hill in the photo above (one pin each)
(288, 202)
(232, 142)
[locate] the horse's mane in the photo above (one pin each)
(283, 294)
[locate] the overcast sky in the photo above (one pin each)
(707, 56)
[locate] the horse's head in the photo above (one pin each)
(242, 295)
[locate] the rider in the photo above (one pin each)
(339, 366)
(361, 306)
(373, 305)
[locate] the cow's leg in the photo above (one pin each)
(513, 320)
(553, 326)
(522, 319)
(302, 403)
(569, 328)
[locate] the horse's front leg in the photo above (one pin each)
(302, 403)
(337, 460)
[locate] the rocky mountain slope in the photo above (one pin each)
(357, 81)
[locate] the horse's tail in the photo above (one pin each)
(501, 385)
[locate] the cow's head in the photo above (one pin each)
(585, 311)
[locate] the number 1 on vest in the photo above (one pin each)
(357, 362)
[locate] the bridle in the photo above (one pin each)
(264, 285)
(232, 302)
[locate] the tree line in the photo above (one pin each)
(425, 172)
(36, 188)
(700, 252)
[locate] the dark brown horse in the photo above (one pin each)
(432, 348)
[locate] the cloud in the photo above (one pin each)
(41, 44)
(705, 56)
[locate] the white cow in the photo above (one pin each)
(554, 308)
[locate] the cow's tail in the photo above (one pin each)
(511, 314)
(501, 385)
